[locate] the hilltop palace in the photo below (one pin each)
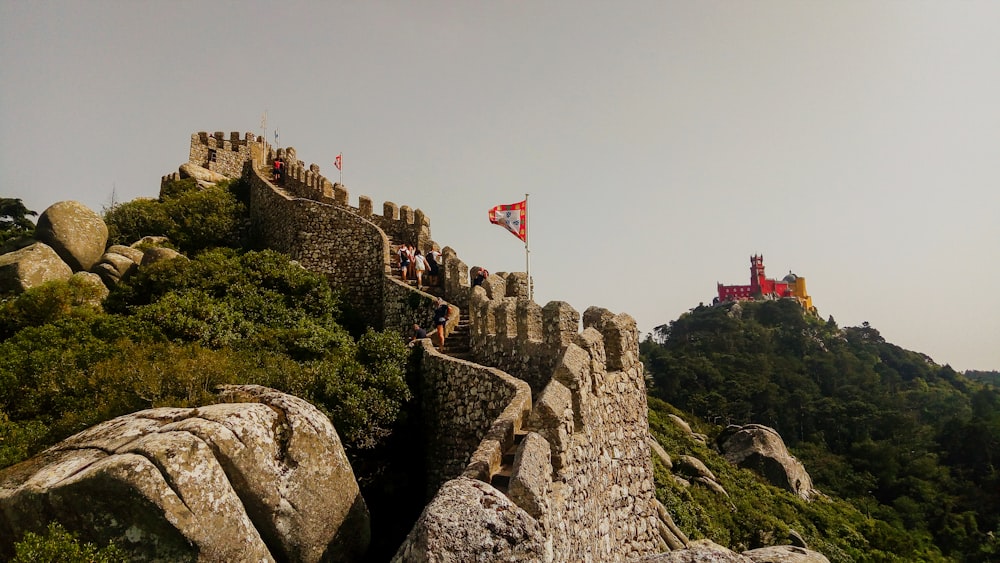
(790, 287)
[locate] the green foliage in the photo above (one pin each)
(899, 435)
(130, 221)
(192, 218)
(14, 222)
(176, 330)
(756, 514)
(48, 303)
(59, 546)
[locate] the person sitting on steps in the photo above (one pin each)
(418, 334)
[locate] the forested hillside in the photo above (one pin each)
(910, 443)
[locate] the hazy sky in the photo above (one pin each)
(662, 143)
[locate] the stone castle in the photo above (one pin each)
(537, 437)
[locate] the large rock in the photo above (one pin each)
(705, 551)
(469, 520)
(699, 551)
(760, 449)
(785, 554)
(30, 266)
(159, 254)
(200, 173)
(75, 232)
(261, 480)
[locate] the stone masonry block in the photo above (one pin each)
(531, 476)
(573, 371)
(529, 320)
(553, 418)
(560, 323)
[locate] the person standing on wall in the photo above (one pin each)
(433, 265)
(413, 266)
(419, 266)
(404, 261)
(277, 169)
(441, 319)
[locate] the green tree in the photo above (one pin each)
(14, 221)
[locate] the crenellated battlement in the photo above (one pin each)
(224, 155)
(564, 391)
(400, 223)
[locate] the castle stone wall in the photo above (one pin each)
(351, 252)
(220, 154)
(400, 223)
(461, 403)
(583, 473)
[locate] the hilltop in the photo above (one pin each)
(910, 443)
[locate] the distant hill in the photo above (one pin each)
(990, 377)
(913, 444)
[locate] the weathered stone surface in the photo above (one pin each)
(159, 254)
(258, 481)
(75, 232)
(553, 417)
(469, 520)
(760, 449)
(660, 453)
(785, 554)
(108, 274)
(693, 467)
(699, 551)
(123, 265)
(30, 266)
(133, 254)
(532, 475)
(189, 170)
(680, 423)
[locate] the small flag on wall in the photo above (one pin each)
(275, 136)
(513, 217)
(338, 162)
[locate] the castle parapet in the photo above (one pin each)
(220, 154)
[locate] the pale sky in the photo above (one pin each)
(854, 143)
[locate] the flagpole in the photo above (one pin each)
(527, 253)
(263, 137)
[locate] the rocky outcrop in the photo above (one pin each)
(695, 469)
(31, 266)
(77, 234)
(785, 554)
(159, 254)
(699, 551)
(200, 173)
(761, 449)
(469, 520)
(260, 480)
(706, 551)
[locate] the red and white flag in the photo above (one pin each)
(513, 217)
(338, 162)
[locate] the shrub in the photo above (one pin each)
(130, 221)
(59, 546)
(47, 303)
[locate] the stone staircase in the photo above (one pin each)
(411, 281)
(457, 344)
(501, 479)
